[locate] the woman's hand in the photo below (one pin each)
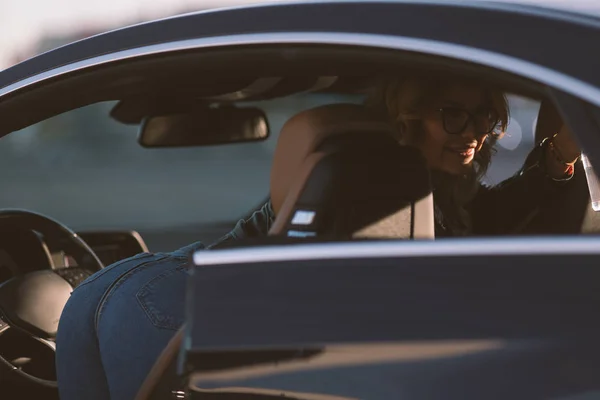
(562, 153)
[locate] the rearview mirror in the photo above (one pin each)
(204, 126)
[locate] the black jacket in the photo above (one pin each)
(507, 207)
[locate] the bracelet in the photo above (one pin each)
(569, 167)
(557, 156)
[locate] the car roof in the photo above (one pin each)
(268, 17)
(544, 46)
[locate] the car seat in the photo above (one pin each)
(339, 172)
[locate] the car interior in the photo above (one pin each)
(326, 170)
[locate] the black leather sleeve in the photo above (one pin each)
(255, 226)
(504, 208)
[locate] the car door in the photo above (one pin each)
(449, 319)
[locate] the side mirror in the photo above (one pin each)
(204, 126)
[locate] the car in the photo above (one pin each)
(478, 317)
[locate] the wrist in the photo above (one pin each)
(557, 166)
(567, 151)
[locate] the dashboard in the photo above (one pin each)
(26, 251)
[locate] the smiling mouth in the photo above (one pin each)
(463, 151)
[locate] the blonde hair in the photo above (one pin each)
(402, 102)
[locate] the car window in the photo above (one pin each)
(88, 171)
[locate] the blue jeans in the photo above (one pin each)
(116, 324)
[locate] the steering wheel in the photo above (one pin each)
(33, 302)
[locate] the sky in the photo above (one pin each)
(22, 22)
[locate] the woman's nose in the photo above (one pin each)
(469, 132)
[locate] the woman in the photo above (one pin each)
(455, 125)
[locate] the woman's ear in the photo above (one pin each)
(409, 131)
(400, 135)
(399, 131)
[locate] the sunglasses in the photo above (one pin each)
(456, 120)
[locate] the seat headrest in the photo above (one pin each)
(306, 131)
(340, 172)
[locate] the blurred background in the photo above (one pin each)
(88, 171)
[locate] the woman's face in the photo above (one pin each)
(453, 153)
